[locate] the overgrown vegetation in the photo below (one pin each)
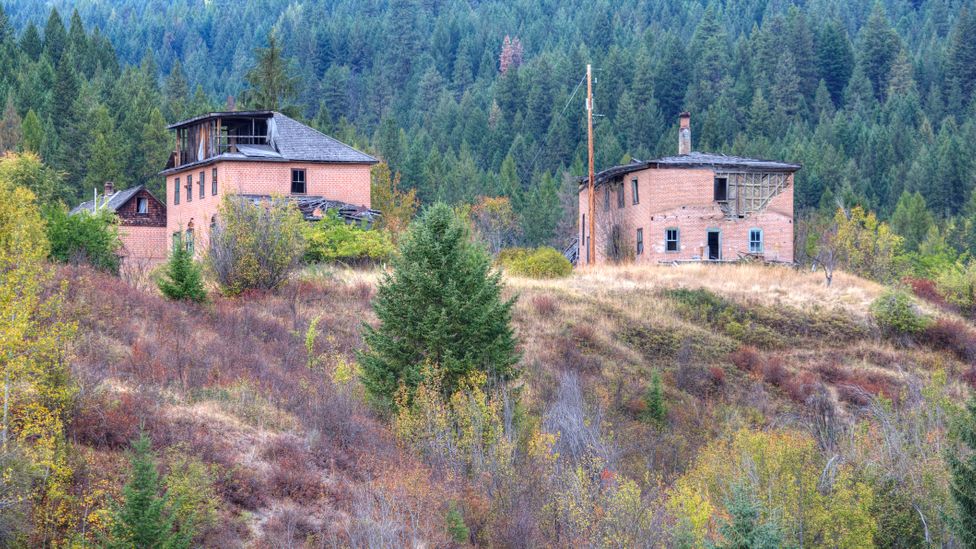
(255, 246)
(182, 278)
(85, 237)
(544, 262)
(333, 240)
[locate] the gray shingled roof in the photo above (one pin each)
(694, 160)
(115, 200)
(290, 141)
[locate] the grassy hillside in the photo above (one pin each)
(261, 389)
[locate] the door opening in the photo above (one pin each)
(714, 246)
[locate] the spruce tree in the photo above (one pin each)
(144, 519)
(55, 37)
(962, 486)
(441, 306)
(655, 409)
(270, 84)
(745, 528)
(182, 279)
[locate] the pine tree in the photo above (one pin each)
(836, 59)
(10, 128)
(270, 84)
(176, 94)
(144, 519)
(745, 528)
(441, 306)
(962, 53)
(182, 278)
(31, 42)
(962, 486)
(55, 37)
(33, 133)
(912, 220)
(878, 49)
(655, 408)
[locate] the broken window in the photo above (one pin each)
(298, 181)
(755, 241)
(213, 182)
(640, 241)
(189, 188)
(721, 189)
(671, 240)
(142, 205)
(620, 195)
(633, 191)
(176, 191)
(189, 240)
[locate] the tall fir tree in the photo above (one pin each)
(55, 37)
(271, 84)
(962, 483)
(442, 307)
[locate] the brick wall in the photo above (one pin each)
(143, 243)
(683, 199)
(344, 182)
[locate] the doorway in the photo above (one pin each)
(714, 245)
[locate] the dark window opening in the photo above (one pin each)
(640, 241)
(714, 246)
(633, 192)
(298, 181)
(213, 182)
(606, 197)
(620, 195)
(203, 190)
(721, 189)
(142, 205)
(189, 241)
(176, 191)
(189, 188)
(671, 240)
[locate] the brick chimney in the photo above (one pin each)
(684, 133)
(109, 188)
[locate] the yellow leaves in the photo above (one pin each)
(868, 245)
(784, 467)
(693, 509)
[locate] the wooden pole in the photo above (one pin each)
(591, 241)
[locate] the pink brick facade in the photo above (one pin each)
(146, 245)
(682, 199)
(348, 183)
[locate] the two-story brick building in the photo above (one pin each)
(257, 154)
(691, 207)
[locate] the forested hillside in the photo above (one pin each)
(477, 98)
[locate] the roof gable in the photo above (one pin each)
(115, 200)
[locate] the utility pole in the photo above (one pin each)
(590, 240)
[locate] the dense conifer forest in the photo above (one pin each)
(466, 99)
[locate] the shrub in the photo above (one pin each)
(655, 409)
(456, 529)
(332, 239)
(953, 336)
(255, 246)
(927, 290)
(87, 237)
(897, 314)
(544, 262)
(747, 359)
(958, 285)
(182, 279)
(545, 305)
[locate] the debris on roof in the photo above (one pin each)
(314, 208)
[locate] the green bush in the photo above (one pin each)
(182, 279)
(332, 239)
(896, 313)
(84, 237)
(543, 262)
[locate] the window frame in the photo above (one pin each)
(213, 182)
(621, 198)
(188, 240)
(189, 187)
(724, 187)
(677, 240)
(295, 171)
(640, 241)
(176, 193)
(761, 243)
(142, 201)
(635, 191)
(606, 197)
(202, 184)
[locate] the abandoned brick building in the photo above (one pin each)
(257, 154)
(142, 222)
(691, 207)
(253, 154)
